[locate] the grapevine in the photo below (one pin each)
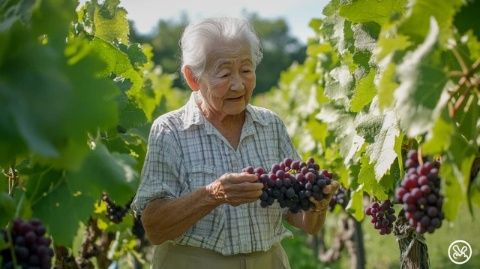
(29, 245)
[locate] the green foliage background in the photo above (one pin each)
(77, 99)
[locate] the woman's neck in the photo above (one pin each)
(219, 119)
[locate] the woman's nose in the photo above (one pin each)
(237, 83)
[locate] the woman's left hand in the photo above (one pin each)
(328, 191)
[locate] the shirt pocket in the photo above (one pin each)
(201, 175)
(211, 225)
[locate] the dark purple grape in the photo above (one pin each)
(31, 247)
(291, 183)
(382, 216)
(420, 194)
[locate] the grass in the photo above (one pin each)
(383, 251)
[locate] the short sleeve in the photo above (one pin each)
(287, 150)
(163, 171)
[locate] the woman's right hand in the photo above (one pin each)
(235, 189)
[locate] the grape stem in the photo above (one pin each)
(12, 178)
(465, 80)
(460, 60)
(419, 156)
(11, 247)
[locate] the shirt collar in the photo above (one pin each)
(193, 115)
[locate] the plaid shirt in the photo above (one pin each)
(187, 152)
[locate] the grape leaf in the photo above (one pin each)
(382, 151)
(339, 83)
(63, 203)
(418, 21)
(466, 15)
(355, 205)
(371, 185)
(363, 92)
(103, 171)
(439, 139)
(7, 209)
(422, 91)
(380, 12)
(111, 26)
(386, 84)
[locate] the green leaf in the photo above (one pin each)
(418, 24)
(111, 25)
(7, 209)
(13, 12)
(342, 125)
(62, 210)
(388, 44)
(367, 178)
(318, 130)
(315, 24)
(398, 151)
(439, 139)
(455, 172)
(331, 8)
(355, 205)
(382, 151)
(422, 91)
(103, 171)
(365, 36)
(466, 15)
(368, 126)
(41, 180)
(338, 83)
(363, 93)
(380, 12)
(387, 86)
(452, 191)
(467, 118)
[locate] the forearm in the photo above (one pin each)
(166, 219)
(309, 221)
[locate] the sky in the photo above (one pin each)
(146, 13)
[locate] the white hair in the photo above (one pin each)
(198, 36)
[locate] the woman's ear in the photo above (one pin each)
(191, 79)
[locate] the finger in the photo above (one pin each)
(245, 197)
(241, 177)
(245, 187)
(320, 204)
(332, 188)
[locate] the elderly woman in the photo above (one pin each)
(193, 202)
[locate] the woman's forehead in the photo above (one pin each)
(221, 53)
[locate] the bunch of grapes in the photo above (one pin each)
(420, 194)
(137, 228)
(383, 216)
(292, 183)
(31, 246)
(340, 198)
(115, 213)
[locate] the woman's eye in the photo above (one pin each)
(224, 75)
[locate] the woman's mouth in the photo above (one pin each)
(235, 98)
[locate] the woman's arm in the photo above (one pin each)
(312, 221)
(167, 219)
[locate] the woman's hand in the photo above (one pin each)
(235, 189)
(329, 191)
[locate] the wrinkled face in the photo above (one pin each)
(229, 78)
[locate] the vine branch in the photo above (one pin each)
(464, 85)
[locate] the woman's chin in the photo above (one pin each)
(234, 109)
